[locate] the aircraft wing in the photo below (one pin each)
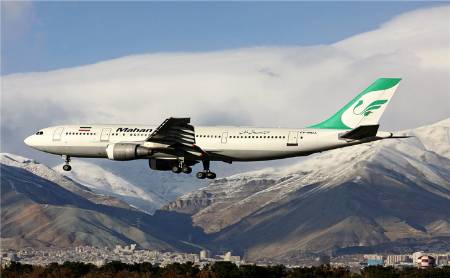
(178, 134)
(172, 131)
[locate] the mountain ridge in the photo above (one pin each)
(363, 195)
(39, 210)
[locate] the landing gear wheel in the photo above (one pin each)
(201, 175)
(206, 172)
(67, 167)
(211, 175)
(186, 170)
(176, 169)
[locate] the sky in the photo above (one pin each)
(259, 64)
(42, 36)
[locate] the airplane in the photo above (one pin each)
(176, 145)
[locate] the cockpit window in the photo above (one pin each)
(39, 133)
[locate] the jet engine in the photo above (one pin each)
(127, 151)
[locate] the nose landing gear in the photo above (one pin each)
(206, 172)
(67, 166)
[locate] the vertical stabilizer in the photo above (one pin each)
(365, 109)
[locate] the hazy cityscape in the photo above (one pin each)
(131, 255)
(100, 256)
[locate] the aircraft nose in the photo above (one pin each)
(28, 141)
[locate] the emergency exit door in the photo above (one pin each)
(57, 134)
(292, 138)
(105, 134)
(224, 137)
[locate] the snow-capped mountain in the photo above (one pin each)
(42, 208)
(365, 195)
(124, 179)
(49, 174)
(105, 182)
(164, 184)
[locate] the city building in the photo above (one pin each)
(442, 259)
(204, 255)
(374, 259)
(416, 255)
(392, 260)
(426, 261)
(227, 257)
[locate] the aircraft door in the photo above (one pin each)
(105, 134)
(224, 137)
(292, 138)
(57, 134)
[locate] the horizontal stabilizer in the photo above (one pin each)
(361, 132)
(400, 136)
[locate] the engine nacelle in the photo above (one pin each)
(126, 151)
(162, 164)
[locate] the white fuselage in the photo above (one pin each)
(224, 143)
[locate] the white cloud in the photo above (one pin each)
(271, 86)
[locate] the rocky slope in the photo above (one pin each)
(107, 183)
(367, 195)
(41, 170)
(131, 181)
(41, 208)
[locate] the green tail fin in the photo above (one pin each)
(365, 109)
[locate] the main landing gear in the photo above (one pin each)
(67, 166)
(181, 167)
(206, 172)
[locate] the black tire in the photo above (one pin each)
(187, 170)
(176, 169)
(211, 175)
(67, 167)
(201, 175)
